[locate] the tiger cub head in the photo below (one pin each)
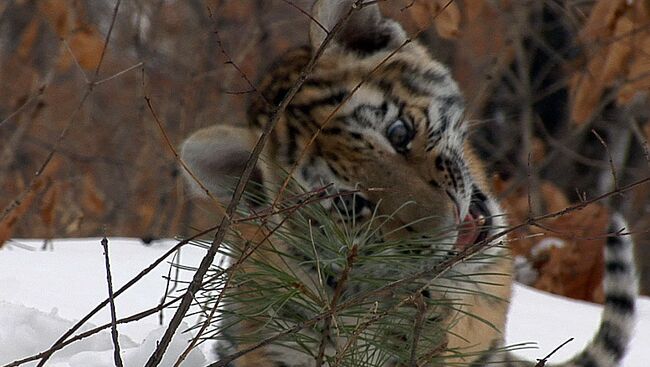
(377, 114)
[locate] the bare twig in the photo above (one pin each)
(229, 61)
(168, 289)
(418, 324)
(118, 74)
(35, 179)
(74, 58)
(91, 332)
(634, 124)
(108, 38)
(177, 157)
(609, 156)
(109, 280)
(542, 362)
(57, 345)
(38, 94)
(53, 151)
(341, 284)
(306, 13)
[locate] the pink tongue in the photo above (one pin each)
(467, 232)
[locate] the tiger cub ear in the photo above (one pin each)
(366, 31)
(216, 156)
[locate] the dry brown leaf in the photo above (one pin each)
(483, 53)
(84, 41)
(619, 51)
(638, 76)
(617, 44)
(8, 225)
(588, 90)
(146, 213)
(537, 150)
(474, 10)
(421, 13)
(28, 39)
(447, 18)
(554, 198)
(58, 14)
(76, 218)
(86, 45)
(576, 269)
(49, 204)
(601, 19)
(92, 199)
(444, 15)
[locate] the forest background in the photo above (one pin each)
(556, 91)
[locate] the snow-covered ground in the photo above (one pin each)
(42, 293)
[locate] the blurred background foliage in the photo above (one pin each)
(557, 95)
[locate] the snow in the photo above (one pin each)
(43, 293)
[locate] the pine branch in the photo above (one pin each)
(194, 286)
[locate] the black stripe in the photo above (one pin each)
(292, 146)
(439, 163)
(333, 99)
(483, 360)
(489, 355)
(617, 267)
(356, 135)
(405, 68)
(435, 184)
(610, 335)
(615, 242)
(413, 78)
(586, 360)
(621, 303)
(332, 131)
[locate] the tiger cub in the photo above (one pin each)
(379, 117)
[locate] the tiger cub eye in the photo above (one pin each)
(400, 135)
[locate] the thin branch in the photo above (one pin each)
(118, 74)
(634, 124)
(609, 156)
(308, 15)
(35, 182)
(135, 317)
(168, 289)
(418, 324)
(576, 156)
(229, 61)
(62, 340)
(74, 58)
(341, 284)
(109, 280)
(542, 362)
(177, 157)
(108, 38)
(39, 92)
